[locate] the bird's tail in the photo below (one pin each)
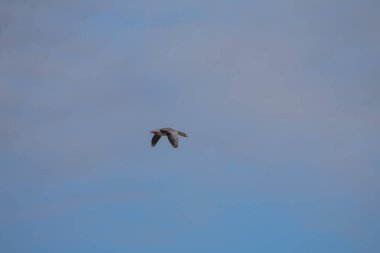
(182, 134)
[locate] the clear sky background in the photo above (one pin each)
(280, 99)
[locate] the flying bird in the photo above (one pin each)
(171, 133)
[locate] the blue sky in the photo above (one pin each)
(280, 100)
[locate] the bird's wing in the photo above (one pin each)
(155, 139)
(173, 139)
(168, 130)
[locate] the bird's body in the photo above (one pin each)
(171, 133)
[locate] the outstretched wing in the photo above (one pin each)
(173, 139)
(155, 139)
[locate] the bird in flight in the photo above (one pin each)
(171, 133)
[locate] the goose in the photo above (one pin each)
(171, 133)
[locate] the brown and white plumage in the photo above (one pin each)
(171, 133)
